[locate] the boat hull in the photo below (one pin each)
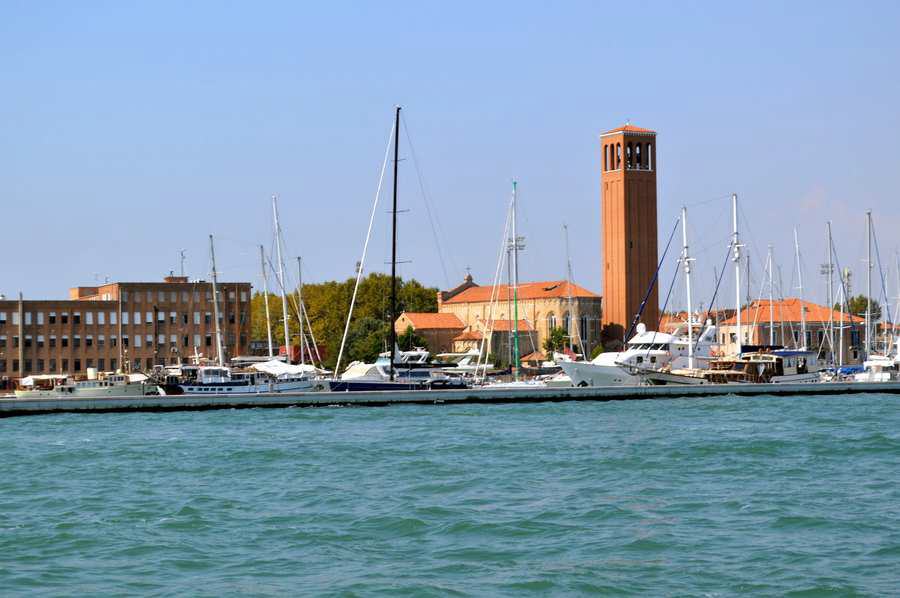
(584, 373)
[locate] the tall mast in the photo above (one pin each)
(509, 286)
(574, 322)
(686, 263)
(736, 258)
(300, 305)
(394, 244)
(841, 334)
(771, 298)
(868, 282)
(830, 290)
(215, 290)
(265, 276)
(800, 279)
(281, 281)
(515, 322)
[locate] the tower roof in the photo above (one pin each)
(629, 128)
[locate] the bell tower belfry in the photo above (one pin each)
(628, 208)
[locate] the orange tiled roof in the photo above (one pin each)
(534, 356)
(527, 290)
(629, 129)
(788, 310)
(506, 326)
(471, 335)
(429, 320)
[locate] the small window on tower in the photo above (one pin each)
(629, 156)
(618, 155)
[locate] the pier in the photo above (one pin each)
(11, 407)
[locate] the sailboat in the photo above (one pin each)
(394, 369)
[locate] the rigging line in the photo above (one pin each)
(646, 298)
(494, 294)
(712, 301)
(362, 261)
(703, 202)
(887, 307)
(426, 200)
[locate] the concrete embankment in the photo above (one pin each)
(14, 406)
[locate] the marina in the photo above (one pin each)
(10, 407)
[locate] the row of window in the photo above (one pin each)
(173, 296)
(50, 365)
(638, 156)
(101, 317)
(89, 341)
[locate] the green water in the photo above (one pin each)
(715, 497)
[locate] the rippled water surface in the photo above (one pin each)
(717, 497)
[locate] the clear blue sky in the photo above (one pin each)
(133, 130)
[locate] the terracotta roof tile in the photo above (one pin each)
(471, 335)
(787, 310)
(431, 321)
(527, 290)
(506, 326)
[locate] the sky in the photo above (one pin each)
(134, 130)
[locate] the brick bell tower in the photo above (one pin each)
(628, 188)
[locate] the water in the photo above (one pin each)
(716, 497)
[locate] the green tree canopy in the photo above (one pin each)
(857, 307)
(555, 341)
(327, 305)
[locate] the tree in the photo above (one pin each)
(857, 306)
(327, 305)
(597, 351)
(409, 340)
(555, 341)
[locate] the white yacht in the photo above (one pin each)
(647, 350)
(96, 386)
(881, 368)
(206, 380)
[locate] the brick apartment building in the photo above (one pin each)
(123, 325)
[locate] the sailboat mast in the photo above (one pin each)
(686, 263)
(394, 244)
(771, 297)
(300, 305)
(515, 322)
(800, 280)
(262, 259)
(281, 280)
(736, 258)
(830, 290)
(868, 282)
(215, 290)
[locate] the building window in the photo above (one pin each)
(125, 317)
(605, 157)
(89, 341)
(16, 343)
(113, 363)
(243, 296)
(15, 365)
(40, 318)
(124, 295)
(101, 318)
(76, 365)
(196, 340)
(2, 318)
(40, 341)
(173, 296)
(64, 318)
(185, 341)
(649, 156)
(629, 156)
(161, 340)
(101, 364)
(196, 318)
(90, 363)
(207, 318)
(162, 296)
(137, 341)
(27, 340)
(137, 318)
(52, 365)
(53, 340)
(124, 340)
(196, 296)
(101, 341)
(173, 317)
(184, 296)
(638, 158)
(184, 318)
(76, 318)
(76, 341)
(231, 319)
(618, 156)
(173, 340)
(27, 368)
(51, 317)
(551, 321)
(209, 340)
(161, 317)
(149, 296)
(112, 317)
(113, 341)
(583, 329)
(149, 340)
(148, 317)
(89, 318)
(567, 323)
(2, 342)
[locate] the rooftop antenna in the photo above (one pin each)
(181, 256)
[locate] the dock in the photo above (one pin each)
(11, 407)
